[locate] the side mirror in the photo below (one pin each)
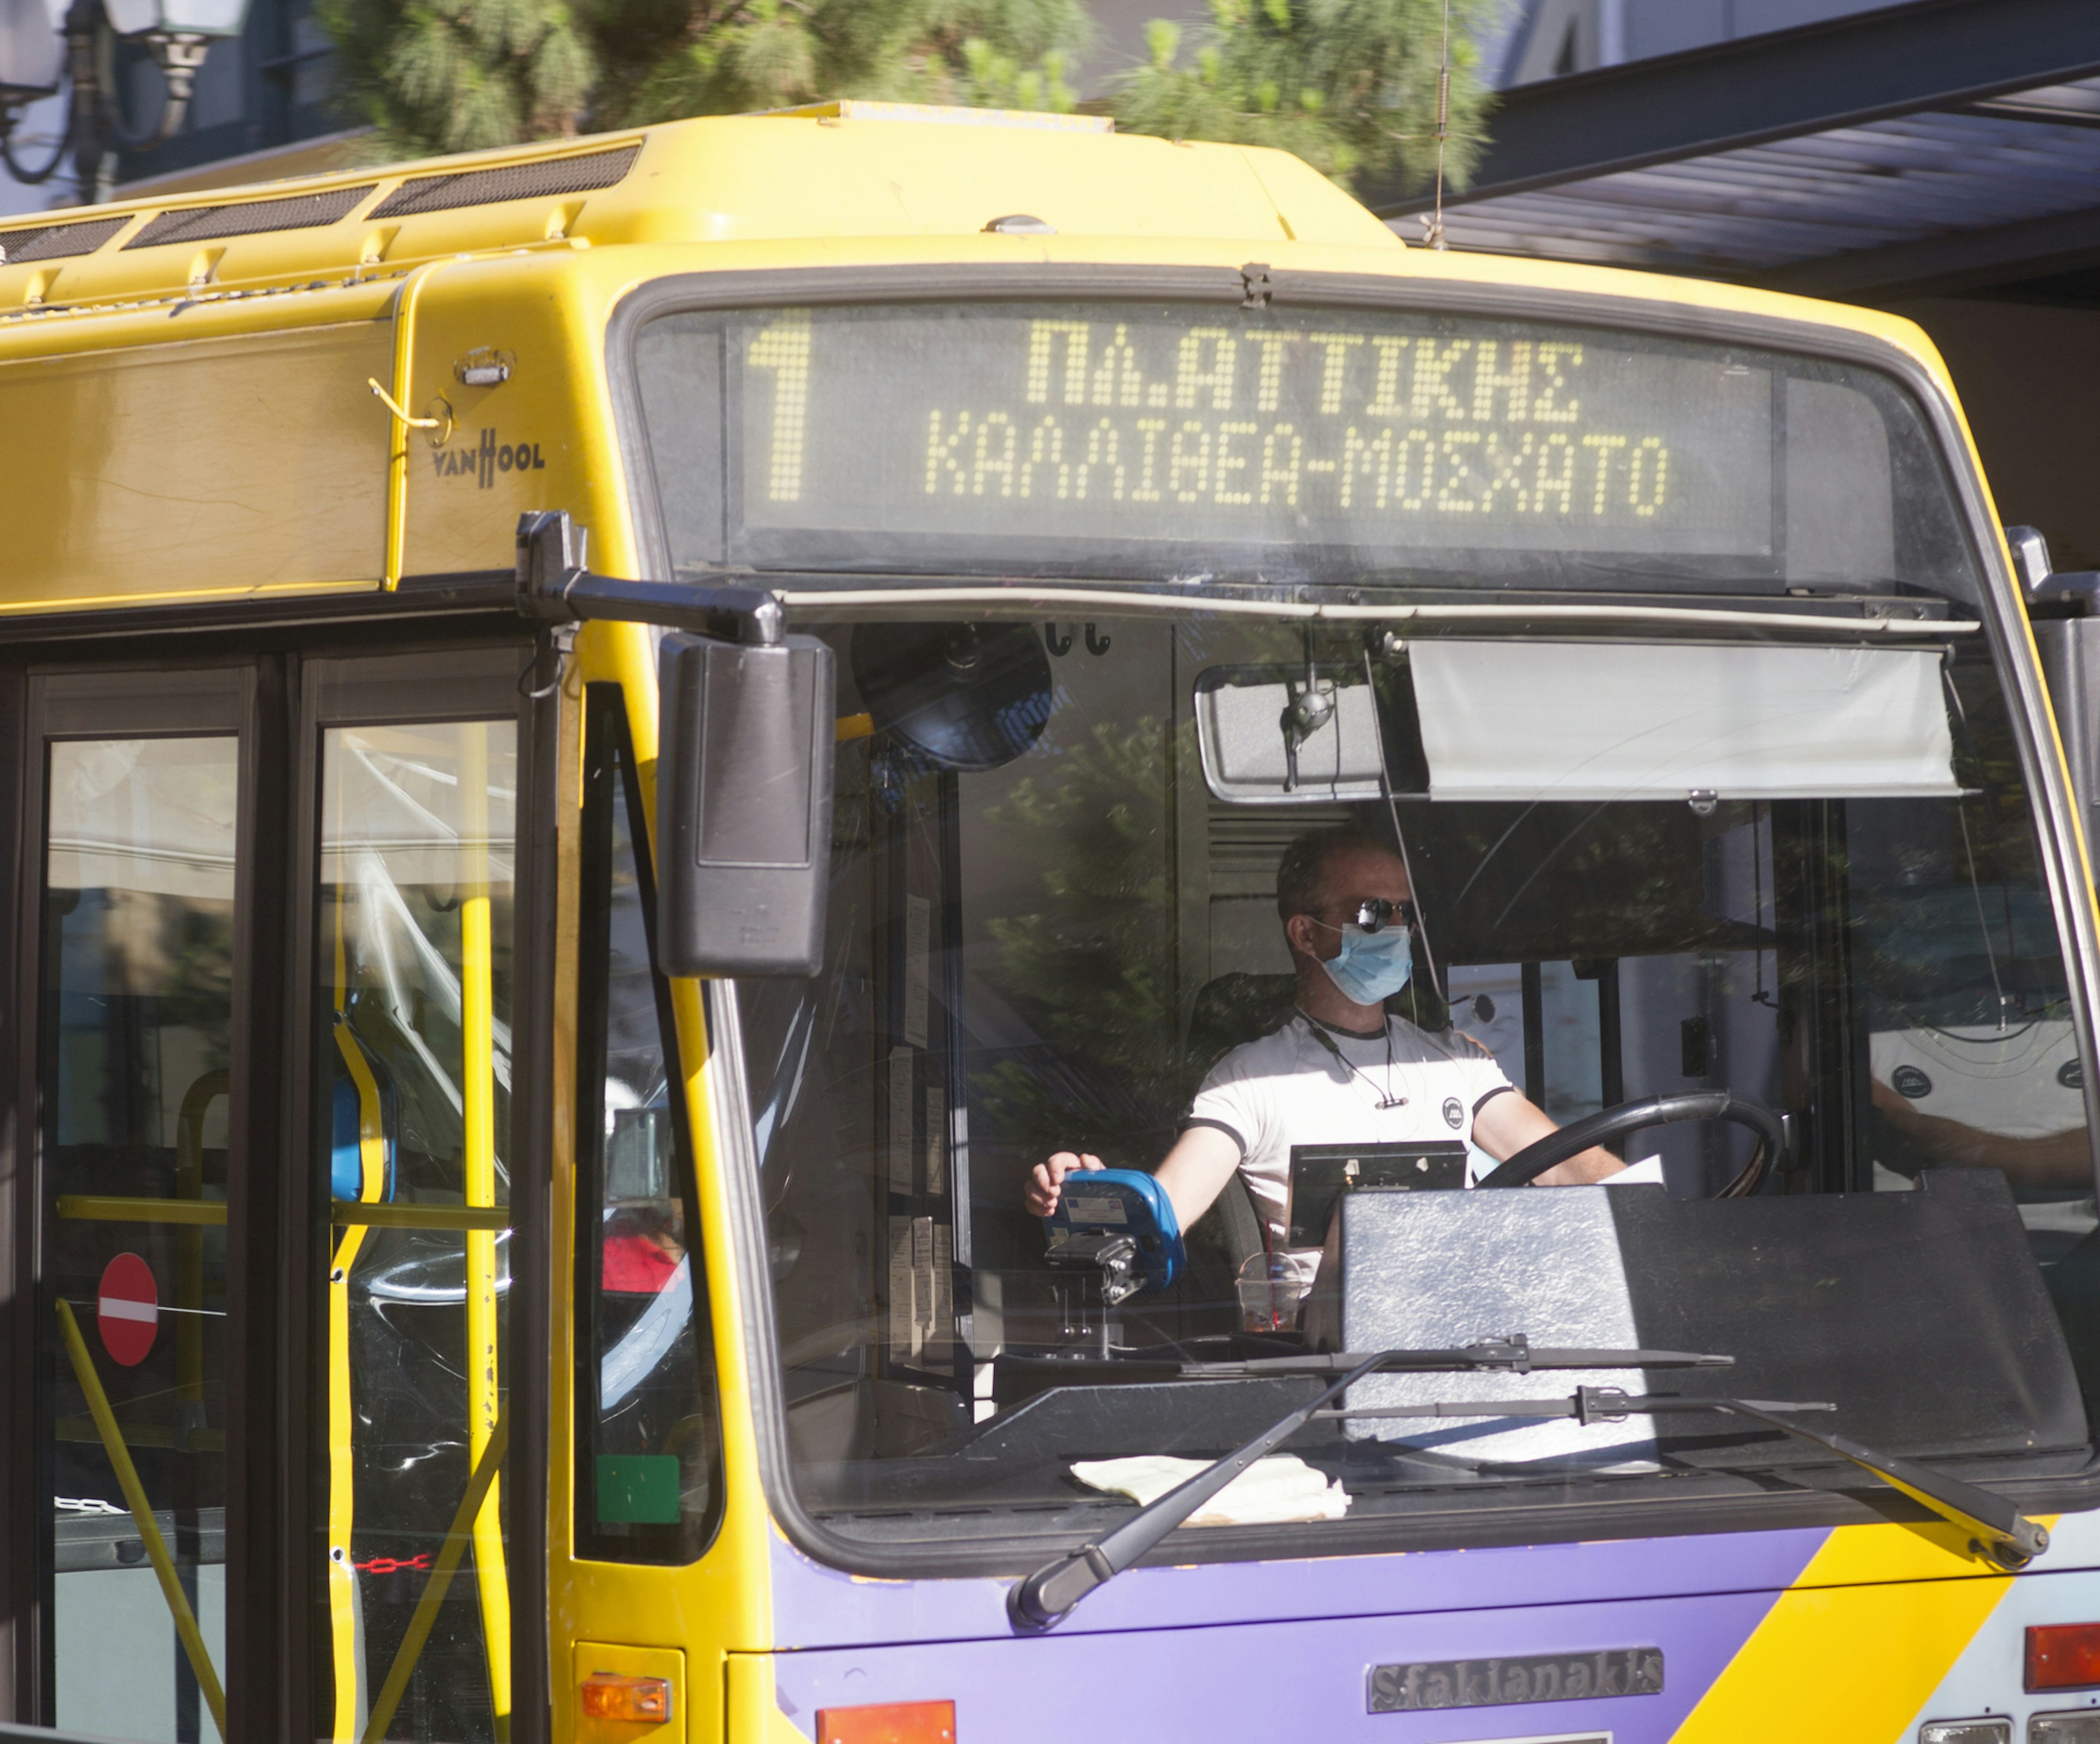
(1285, 735)
(743, 805)
(2069, 650)
(2030, 557)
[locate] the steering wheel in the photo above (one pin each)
(1535, 1158)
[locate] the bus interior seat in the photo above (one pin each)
(349, 1092)
(1229, 1010)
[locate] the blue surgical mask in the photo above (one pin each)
(1372, 967)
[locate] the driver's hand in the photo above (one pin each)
(1045, 1179)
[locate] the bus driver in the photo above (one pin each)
(1342, 1069)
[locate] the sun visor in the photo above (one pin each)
(1596, 721)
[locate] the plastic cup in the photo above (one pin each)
(1270, 1292)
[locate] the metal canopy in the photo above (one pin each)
(1939, 145)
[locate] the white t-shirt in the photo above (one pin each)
(1287, 1089)
(2024, 1081)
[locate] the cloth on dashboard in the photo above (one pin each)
(1288, 1089)
(1278, 1488)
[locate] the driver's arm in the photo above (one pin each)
(2054, 1159)
(1194, 1173)
(1507, 1123)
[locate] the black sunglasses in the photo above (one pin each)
(1374, 914)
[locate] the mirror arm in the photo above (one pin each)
(555, 584)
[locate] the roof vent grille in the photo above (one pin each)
(532, 181)
(209, 223)
(57, 242)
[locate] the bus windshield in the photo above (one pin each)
(1628, 729)
(1132, 889)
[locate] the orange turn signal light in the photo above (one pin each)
(606, 1695)
(887, 1723)
(2064, 1656)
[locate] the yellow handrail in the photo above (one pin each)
(189, 1241)
(478, 1146)
(109, 1208)
(478, 1488)
(141, 1516)
(345, 1617)
(353, 1214)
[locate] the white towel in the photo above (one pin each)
(1281, 1487)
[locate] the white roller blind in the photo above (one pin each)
(1599, 720)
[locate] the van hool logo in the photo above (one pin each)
(487, 460)
(1486, 1683)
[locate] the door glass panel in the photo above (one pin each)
(649, 1484)
(412, 1085)
(137, 962)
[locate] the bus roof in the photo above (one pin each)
(875, 181)
(197, 385)
(833, 170)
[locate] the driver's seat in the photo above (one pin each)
(1230, 1010)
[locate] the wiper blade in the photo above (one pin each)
(1045, 1598)
(1042, 1599)
(1586, 1405)
(2004, 1535)
(1514, 1353)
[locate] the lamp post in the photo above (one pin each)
(37, 52)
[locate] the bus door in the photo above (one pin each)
(273, 1445)
(142, 782)
(413, 775)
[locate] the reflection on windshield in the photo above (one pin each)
(1053, 945)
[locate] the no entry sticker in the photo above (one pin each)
(128, 1310)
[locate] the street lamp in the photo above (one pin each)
(35, 49)
(32, 53)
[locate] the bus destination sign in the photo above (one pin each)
(1137, 427)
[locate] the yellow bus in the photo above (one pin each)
(770, 881)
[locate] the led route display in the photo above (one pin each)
(1129, 426)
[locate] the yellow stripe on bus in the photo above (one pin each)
(1871, 1627)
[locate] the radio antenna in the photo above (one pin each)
(1435, 237)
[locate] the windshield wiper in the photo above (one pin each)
(1514, 1353)
(2004, 1535)
(1045, 1598)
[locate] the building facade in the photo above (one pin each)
(1553, 38)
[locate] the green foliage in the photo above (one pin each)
(724, 57)
(1349, 86)
(456, 75)
(460, 75)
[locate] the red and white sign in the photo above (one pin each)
(129, 1309)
